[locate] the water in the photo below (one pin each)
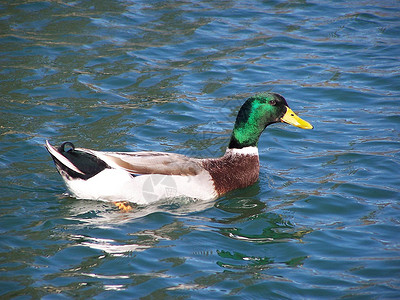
(323, 220)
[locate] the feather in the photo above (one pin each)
(141, 163)
(61, 158)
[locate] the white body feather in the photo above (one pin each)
(117, 184)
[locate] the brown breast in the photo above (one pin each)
(233, 171)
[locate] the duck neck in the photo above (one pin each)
(245, 135)
(250, 122)
(246, 151)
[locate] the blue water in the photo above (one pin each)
(323, 220)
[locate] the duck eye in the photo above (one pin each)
(272, 102)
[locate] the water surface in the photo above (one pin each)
(323, 220)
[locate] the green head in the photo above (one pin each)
(257, 113)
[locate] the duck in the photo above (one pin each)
(141, 178)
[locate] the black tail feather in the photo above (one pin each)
(89, 164)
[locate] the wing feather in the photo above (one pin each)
(141, 163)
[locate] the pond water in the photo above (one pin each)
(321, 222)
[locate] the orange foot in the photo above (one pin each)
(124, 206)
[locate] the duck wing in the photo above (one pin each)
(140, 163)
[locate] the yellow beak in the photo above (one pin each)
(291, 118)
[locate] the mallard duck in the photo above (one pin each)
(145, 177)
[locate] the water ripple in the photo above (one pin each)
(322, 222)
